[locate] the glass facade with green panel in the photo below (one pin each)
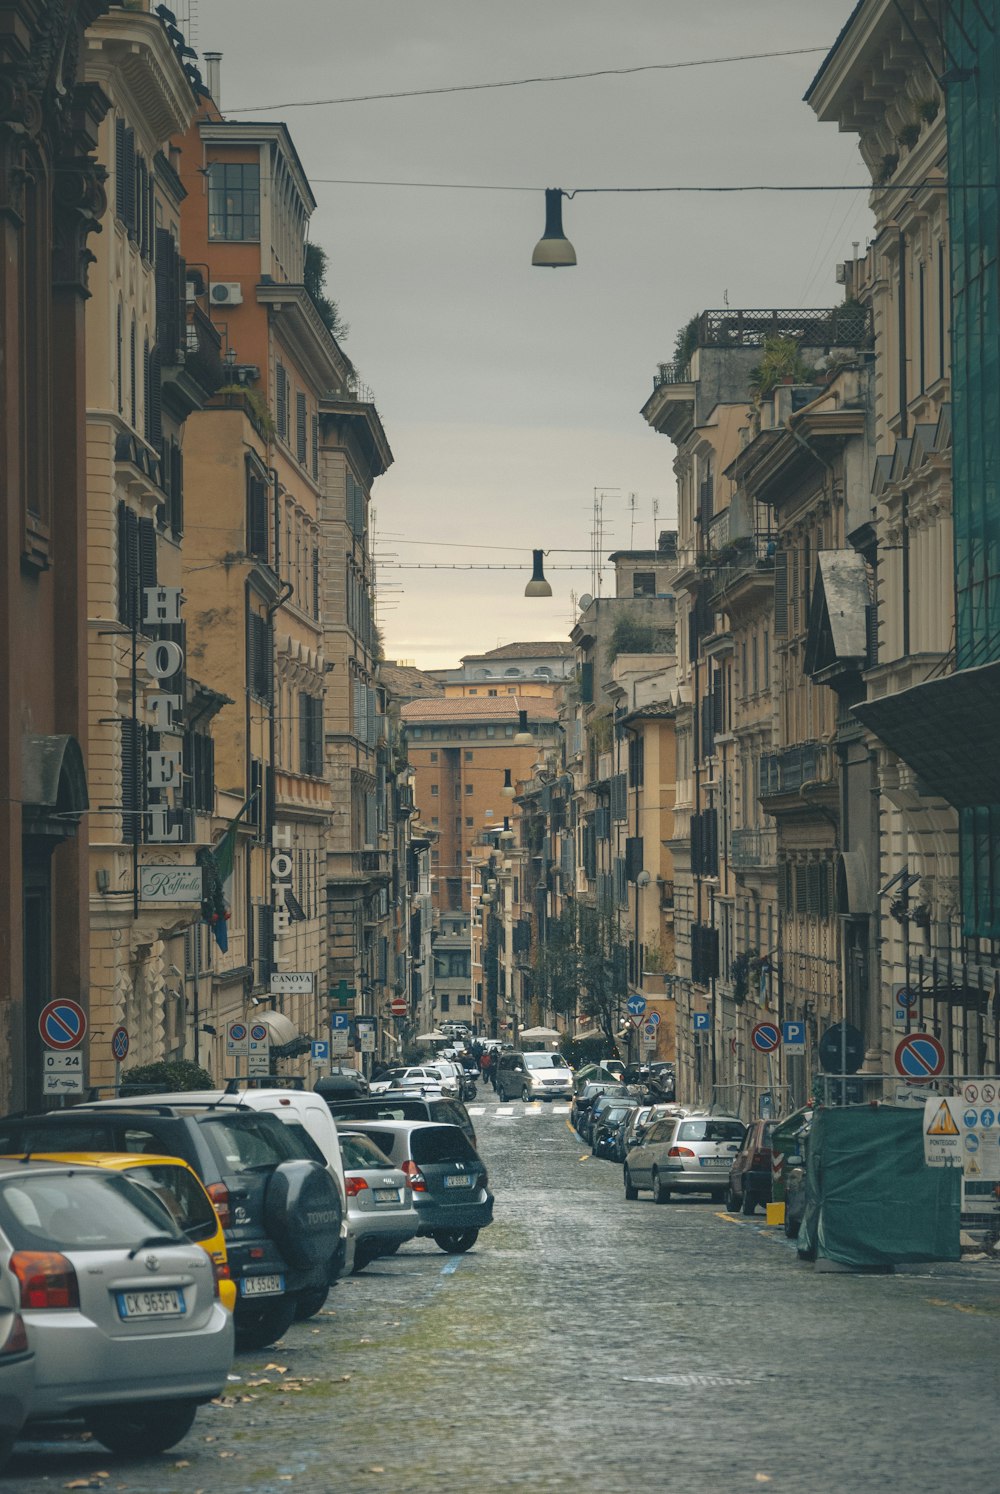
(972, 81)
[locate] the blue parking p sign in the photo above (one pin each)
(702, 1021)
(793, 1036)
(340, 1022)
(320, 1051)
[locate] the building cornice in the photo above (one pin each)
(130, 54)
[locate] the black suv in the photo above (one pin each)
(399, 1105)
(279, 1208)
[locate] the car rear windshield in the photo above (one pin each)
(441, 1144)
(79, 1134)
(182, 1196)
(360, 1154)
(711, 1130)
(249, 1142)
(87, 1210)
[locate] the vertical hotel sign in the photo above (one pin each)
(164, 764)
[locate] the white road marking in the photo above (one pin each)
(477, 1109)
(532, 1110)
(560, 1110)
(505, 1110)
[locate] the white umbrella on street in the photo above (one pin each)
(540, 1033)
(431, 1037)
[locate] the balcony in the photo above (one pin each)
(671, 373)
(753, 849)
(791, 769)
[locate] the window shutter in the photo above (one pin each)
(133, 757)
(315, 582)
(128, 564)
(633, 857)
(147, 560)
(176, 457)
(154, 409)
(315, 446)
(130, 184)
(300, 427)
(781, 594)
(120, 194)
(305, 762)
(257, 525)
(697, 849)
(586, 683)
(281, 401)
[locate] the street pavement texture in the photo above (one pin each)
(589, 1344)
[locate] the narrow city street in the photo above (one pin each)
(589, 1344)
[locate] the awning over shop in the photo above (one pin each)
(53, 785)
(286, 1040)
(947, 731)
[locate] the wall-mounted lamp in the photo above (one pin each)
(508, 787)
(537, 586)
(554, 250)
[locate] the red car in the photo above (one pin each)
(750, 1174)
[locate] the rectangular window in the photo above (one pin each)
(234, 200)
(300, 426)
(258, 517)
(281, 401)
(468, 788)
(434, 790)
(261, 674)
(315, 446)
(469, 820)
(468, 756)
(644, 584)
(434, 757)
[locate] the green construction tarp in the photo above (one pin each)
(871, 1200)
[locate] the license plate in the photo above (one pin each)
(387, 1195)
(261, 1286)
(453, 1180)
(162, 1304)
(720, 1162)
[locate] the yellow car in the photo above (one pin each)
(182, 1194)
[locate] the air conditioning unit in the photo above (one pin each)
(226, 293)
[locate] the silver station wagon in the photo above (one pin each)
(684, 1154)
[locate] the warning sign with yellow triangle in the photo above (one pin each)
(943, 1123)
(972, 1167)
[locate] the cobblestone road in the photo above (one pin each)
(587, 1344)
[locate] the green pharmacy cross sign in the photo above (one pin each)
(342, 993)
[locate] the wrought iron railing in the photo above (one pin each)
(754, 848)
(786, 771)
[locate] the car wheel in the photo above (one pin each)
(134, 1430)
(749, 1205)
(455, 1241)
(308, 1303)
(364, 1254)
(631, 1191)
(264, 1323)
(661, 1195)
(732, 1202)
(525, 1096)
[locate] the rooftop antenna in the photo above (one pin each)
(632, 500)
(656, 514)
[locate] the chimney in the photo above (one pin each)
(213, 62)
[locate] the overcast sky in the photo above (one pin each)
(509, 394)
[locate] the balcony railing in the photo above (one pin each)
(786, 771)
(754, 848)
(671, 373)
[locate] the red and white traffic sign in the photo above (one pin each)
(919, 1056)
(62, 1024)
(119, 1043)
(766, 1037)
(398, 1006)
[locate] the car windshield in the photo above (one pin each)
(361, 1154)
(441, 1144)
(181, 1195)
(249, 1142)
(711, 1130)
(85, 1210)
(544, 1061)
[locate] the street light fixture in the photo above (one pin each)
(523, 737)
(554, 250)
(508, 787)
(537, 586)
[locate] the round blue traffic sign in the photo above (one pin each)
(62, 1024)
(258, 1032)
(636, 1005)
(119, 1044)
(919, 1056)
(765, 1037)
(237, 1032)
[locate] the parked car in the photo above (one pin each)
(450, 1075)
(640, 1120)
(379, 1200)
(17, 1366)
(750, 1174)
(121, 1310)
(278, 1205)
(583, 1101)
(405, 1106)
(608, 1128)
(342, 1083)
(684, 1154)
(796, 1152)
(415, 1076)
(447, 1178)
(182, 1194)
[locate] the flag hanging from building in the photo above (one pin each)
(216, 864)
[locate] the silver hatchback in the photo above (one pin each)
(121, 1310)
(380, 1208)
(687, 1154)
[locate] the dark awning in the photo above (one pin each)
(53, 785)
(947, 731)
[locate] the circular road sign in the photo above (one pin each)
(398, 1006)
(258, 1032)
(766, 1037)
(237, 1031)
(841, 1049)
(119, 1044)
(62, 1024)
(919, 1056)
(654, 1018)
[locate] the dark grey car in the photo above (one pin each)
(447, 1177)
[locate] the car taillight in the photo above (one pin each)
(220, 1273)
(680, 1151)
(414, 1177)
(219, 1194)
(353, 1186)
(16, 1341)
(47, 1279)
